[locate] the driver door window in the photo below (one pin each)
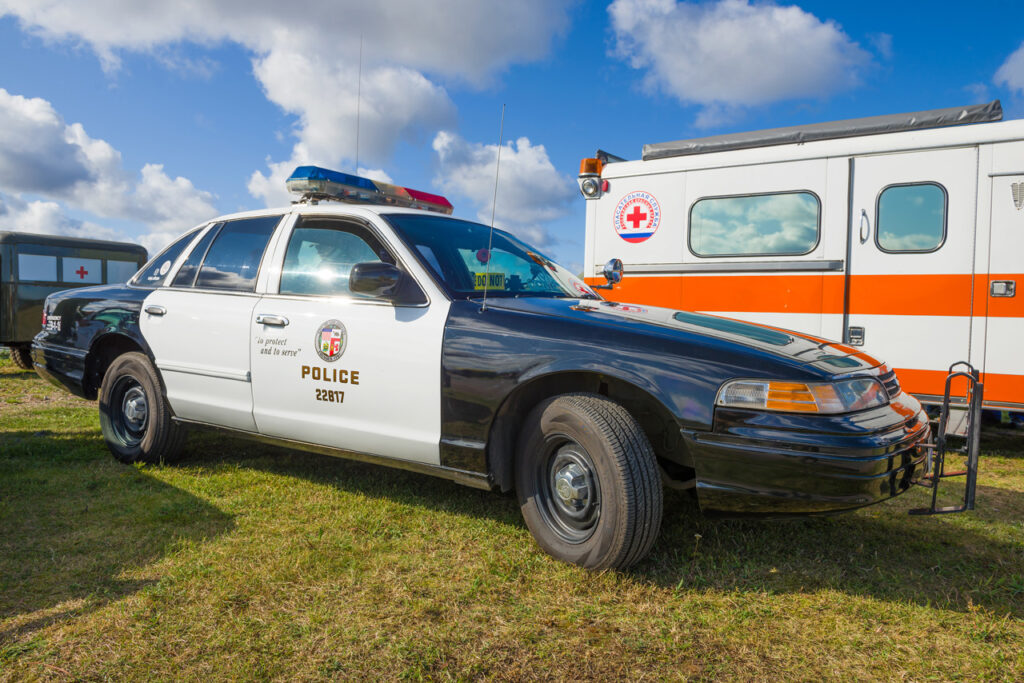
(321, 255)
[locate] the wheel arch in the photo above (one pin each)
(657, 421)
(103, 351)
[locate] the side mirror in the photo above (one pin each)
(375, 278)
(612, 273)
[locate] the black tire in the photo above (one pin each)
(21, 355)
(594, 452)
(134, 415)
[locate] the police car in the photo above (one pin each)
(380, 328)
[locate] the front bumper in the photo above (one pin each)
(60, 365)
(773, 464)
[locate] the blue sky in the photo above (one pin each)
(132, 120)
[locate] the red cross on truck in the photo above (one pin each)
(637, 217)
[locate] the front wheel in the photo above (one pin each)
(588, 482)
(134, 416)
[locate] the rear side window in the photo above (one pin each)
(779, 224)
(186, 276)
(233, 260)
(156, 272)
(911, 218)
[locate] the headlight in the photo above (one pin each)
(828, 398)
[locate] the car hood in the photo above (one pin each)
(832, 357)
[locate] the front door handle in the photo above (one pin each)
(153, 309)
(272, 320)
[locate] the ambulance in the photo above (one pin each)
(904, 233)
(33, 266)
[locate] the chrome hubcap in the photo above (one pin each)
(572, 487)
(134, 408)
(571, 493)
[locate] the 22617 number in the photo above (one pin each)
(330, 395)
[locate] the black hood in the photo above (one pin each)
(832, 357)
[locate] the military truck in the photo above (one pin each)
(33, 266)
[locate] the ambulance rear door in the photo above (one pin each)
(1003, 294)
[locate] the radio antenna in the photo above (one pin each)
(494, 206)
(359, 97)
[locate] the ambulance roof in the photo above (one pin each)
(872, 125)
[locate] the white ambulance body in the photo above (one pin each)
(904, 234)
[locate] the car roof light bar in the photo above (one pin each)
(316, 183)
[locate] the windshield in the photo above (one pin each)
(456, 252)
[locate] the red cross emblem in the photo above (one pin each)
(637, 216)
(81, 272)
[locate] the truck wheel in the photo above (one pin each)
(588, 483)
(134, 416)
(21, 354)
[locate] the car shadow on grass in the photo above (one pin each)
(73, 521)
(954, 562)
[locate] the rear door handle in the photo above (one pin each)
(272, 320)
(153, 309)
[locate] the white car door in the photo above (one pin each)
(334, 368)
(198, 326)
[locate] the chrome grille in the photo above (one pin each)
(891, 383)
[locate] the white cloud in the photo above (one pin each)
(48, 218)
(394, 103)
(531, 192)
(733, 53)
(882, 42)
(307, 59)
(1011, 74)
(41, 155)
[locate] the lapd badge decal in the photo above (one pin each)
(637, 216)
(330, 341)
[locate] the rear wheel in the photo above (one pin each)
(21, 354)
(134, 416)
(588, 482)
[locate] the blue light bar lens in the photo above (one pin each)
(317, 173)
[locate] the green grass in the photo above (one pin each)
(248, 562)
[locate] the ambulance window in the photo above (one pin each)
(156, 272)
(911, 218)
(120, 271)
(233, 259)
(783, 223)
(321, 254)
(37, 268)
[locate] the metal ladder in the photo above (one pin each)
(937, 451)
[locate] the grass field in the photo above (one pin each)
(247, 562)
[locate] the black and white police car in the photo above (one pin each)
(367, 329)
